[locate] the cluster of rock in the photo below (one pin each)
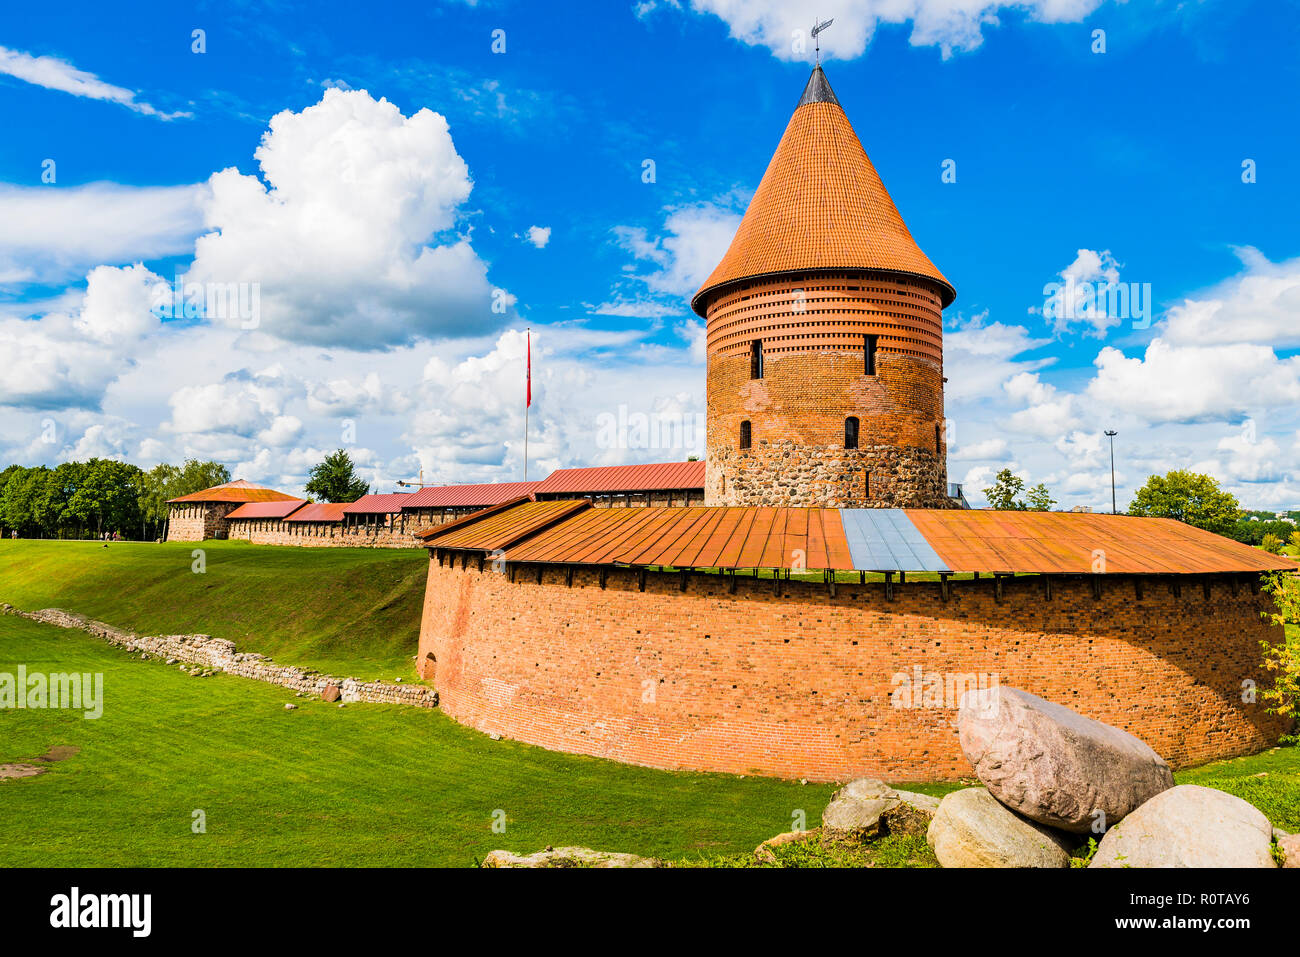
(1052, 777)
(206, 655)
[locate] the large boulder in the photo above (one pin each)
(568, 857)
(1053, 765)
(1189, 826)
(972, 829)
(1289, 845)
(867, 808)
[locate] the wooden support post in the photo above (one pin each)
(568, 575)
(1254, 584)
(943, 585)
(1096, 586)
(1047, 587)
(889, 586)
(540, 570)
(902, 578)
(481, 560)
(1137, 587)
(512, 572)
(640, 578)
(684, 574)
(604, 575)
(1176, 586)
(1205, 587)
(997, 587)
(731, 583)
(1232, 585)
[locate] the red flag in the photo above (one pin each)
(529, 400)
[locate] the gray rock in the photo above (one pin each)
(291, 707)
(972, 829)
(567, 857)
(866, 808)
(1189, 826)
(1289, 845)
(1052, 764)
(855, 810)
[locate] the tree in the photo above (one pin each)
(1005, 495)
(1040, 500)
(1190, 497)
(335, 480)
(195, 476)
(155, 489)
(1272, 544)
(1006, 491)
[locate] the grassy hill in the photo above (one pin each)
(348, 611)
(365, 785)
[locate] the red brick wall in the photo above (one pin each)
(801, 684)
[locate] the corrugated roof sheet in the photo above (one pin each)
(664, 476)
(499, 528)
(320, 512)
(569, 532)
(266, 509)
(236, 491)
(1067, 542)
(820, 205)
(469, 496)
(694, 537)
(885, 540)
(385, 504)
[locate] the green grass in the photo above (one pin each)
(346, 611)
(365, 785)
(1270, 781)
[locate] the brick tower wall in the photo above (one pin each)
(815, 377)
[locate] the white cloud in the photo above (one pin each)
(55, 74)
(1260, 305)
(539, 236)
(351, 244)
(693, 241)
(1171, 383)
(66, 360)
(952, 25)
(54, 233)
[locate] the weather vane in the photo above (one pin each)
(816, 30)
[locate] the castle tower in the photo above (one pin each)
(824, 335)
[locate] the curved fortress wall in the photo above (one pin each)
(803, 684)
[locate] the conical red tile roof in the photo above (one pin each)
(820, 205)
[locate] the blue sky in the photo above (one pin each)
(379, 236)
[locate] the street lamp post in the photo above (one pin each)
(1111, 433)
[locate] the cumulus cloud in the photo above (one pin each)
(539, 236)
(67, 359)
(691, 243)
(55, 74)
(55, 233)
(952, 25)
(350, 238)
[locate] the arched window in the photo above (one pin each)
(851, 432)
(746, 434)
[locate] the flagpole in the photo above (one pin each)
(528, 395)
